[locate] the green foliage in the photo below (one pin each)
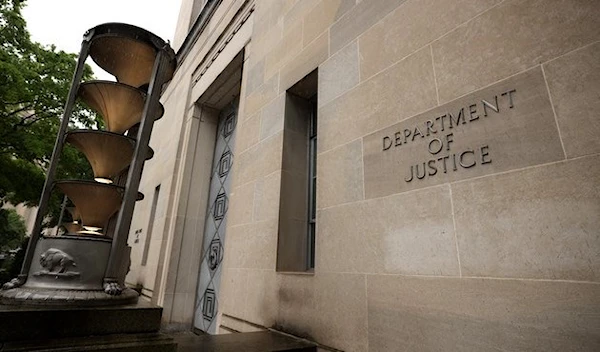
(34, 85)
(12, 236)
(12, 229)
(12, 266)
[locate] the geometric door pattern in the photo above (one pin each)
(207, 303)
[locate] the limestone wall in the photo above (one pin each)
(497, 249)
(502, 254)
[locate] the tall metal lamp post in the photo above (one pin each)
(87, 265)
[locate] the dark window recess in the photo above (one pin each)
(297, 207)
(312, 182)
(150, 226)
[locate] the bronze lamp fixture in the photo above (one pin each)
(95, 201)
(97, 262)
(121, 106)
(108, 153)
(74, 213)
(129, 60)
(75, 225)
(72, 227)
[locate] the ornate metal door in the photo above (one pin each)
(207, 304)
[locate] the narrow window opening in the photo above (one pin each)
(150, 226)
(312, 182)
(298, 201)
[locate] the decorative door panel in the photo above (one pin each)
(207, 303)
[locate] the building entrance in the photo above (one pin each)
(207, 304)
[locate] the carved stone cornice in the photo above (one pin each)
(226, 36)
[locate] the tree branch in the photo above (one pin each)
(31, 122)
(25, 108)
(22, 123)
(16, 102)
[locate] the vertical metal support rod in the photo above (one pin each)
(62, 214)
(58, 147)
(135, 170)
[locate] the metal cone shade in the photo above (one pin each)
(96, 202)
(74, 213)
(129, 60)
(108, 153)
(120, 105)
(72, 227)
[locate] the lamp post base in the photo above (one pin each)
(69, 272)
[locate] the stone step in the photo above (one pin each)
(50, 322)
(152, 342)
(260, 341)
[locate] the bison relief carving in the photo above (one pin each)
(57, 263)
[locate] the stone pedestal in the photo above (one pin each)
(123, 328)
(68, 271)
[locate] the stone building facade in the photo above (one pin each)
(379, 175)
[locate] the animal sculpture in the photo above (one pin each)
(56, 261)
